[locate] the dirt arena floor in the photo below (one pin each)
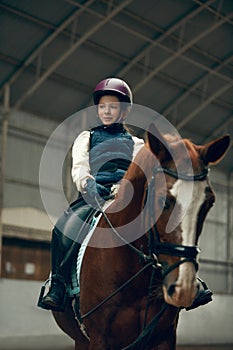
(64, 343)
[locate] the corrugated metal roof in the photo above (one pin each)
(176, 55)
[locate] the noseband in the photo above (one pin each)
(156, 247)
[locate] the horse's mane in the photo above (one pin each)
(135, 172)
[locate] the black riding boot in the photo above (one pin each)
(55, 298)
(68, 233)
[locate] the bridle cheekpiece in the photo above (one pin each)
(156, 247)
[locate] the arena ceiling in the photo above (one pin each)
(175, 54)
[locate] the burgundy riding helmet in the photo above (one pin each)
(113, 86)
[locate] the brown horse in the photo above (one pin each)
(139, 268)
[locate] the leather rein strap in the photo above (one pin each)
(156, 247)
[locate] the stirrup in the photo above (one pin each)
(203, 296)
(41, 304)
(41, 296)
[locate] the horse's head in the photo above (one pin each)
(179, 190)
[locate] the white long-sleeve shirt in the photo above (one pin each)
(80, 158)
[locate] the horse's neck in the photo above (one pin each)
(126, 213)
(128, 203)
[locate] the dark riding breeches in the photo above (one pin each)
(68, 234)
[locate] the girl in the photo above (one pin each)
(101, 157)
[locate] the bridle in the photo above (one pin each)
(156, 247)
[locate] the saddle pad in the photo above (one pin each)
(84, 245)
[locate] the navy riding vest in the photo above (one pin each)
(111, 152)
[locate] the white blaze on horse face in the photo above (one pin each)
(189, 198)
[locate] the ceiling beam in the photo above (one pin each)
(62, 30)
(157, 42)
(163, 36)
(197, 84)
(166, 34)
(46, 42)
(220, 129)
(214, 12)
(203, 105)
(68, 52)
(178, 53)
(156, 28)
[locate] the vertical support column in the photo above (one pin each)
(3, 161)
(68, 187)
(229, 233)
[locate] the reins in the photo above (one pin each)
(141, 255)
(117, 290)
(156, 247)
(151, 261)
(189, 253)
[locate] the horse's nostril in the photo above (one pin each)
(171, 289)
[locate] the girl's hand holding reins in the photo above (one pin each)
(94, 190)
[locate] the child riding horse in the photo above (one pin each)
(139, 268)
(100, 158)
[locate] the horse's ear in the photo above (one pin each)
(215, 150)
(157, 143)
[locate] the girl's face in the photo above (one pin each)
(109, 110)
